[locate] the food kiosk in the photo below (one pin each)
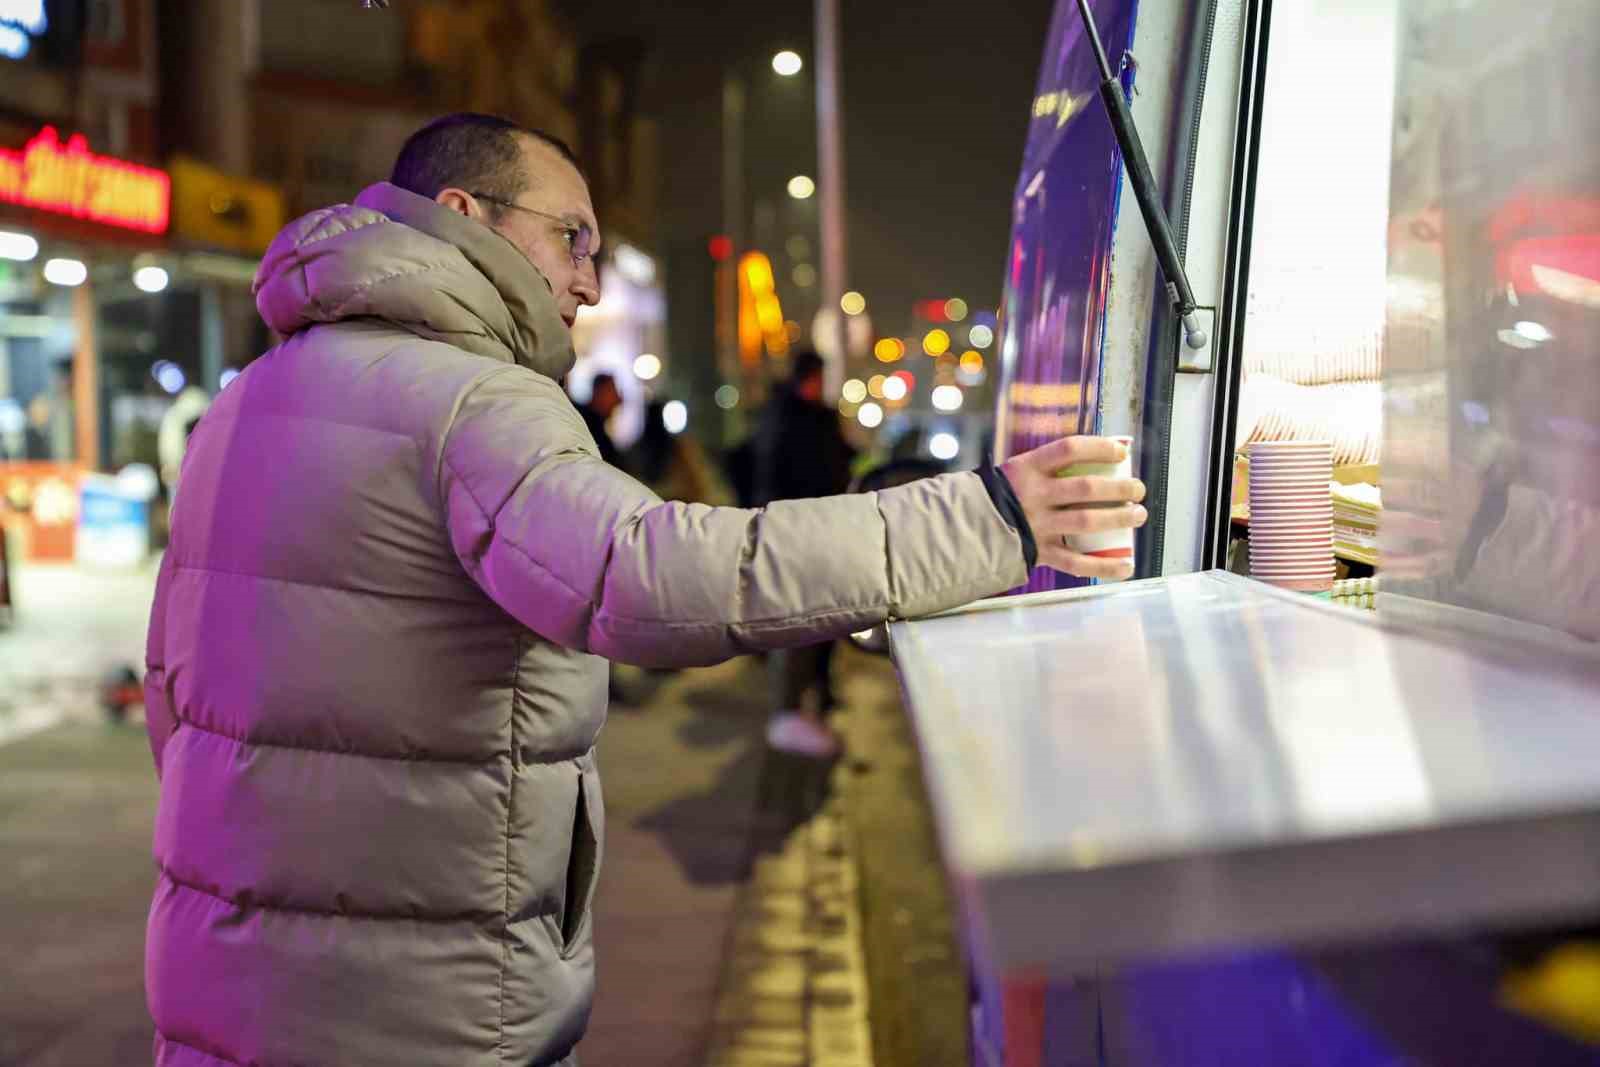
(1200, 818)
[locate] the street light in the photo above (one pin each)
(67, 272)
(787, 63)
(150, 279)
(18, 246)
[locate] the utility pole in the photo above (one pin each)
(830, 187)
(727, 271)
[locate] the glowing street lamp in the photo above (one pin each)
(788, 63)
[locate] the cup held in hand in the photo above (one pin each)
(1104, 544)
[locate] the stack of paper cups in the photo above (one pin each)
(1107, 544)
(1291, 514)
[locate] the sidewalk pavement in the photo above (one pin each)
(70, 629)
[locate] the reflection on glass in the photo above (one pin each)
(1493, 385)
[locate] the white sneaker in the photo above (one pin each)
(801, 735)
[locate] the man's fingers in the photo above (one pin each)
(1090, 520)
(1065, 451)
(1085, 566)
(1095, 490)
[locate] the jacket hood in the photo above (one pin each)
(406, 260)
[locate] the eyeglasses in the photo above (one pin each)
(580, 239)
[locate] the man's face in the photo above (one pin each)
(556, 189)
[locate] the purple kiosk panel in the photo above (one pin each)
(1058, 268)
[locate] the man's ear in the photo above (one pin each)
(460, 201)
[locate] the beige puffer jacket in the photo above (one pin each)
(375, 675)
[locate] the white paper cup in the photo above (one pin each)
(1104, 544)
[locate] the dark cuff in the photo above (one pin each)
(1010, 509)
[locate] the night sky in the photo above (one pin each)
(937, 94)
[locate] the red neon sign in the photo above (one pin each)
(68, 179)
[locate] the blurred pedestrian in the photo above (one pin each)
(674, 465)
(172, 437)
(739, 467)
(604, 398)
(377, 654)
(800, 453)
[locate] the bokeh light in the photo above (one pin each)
(675, 416)
(936, 343)
(955, 309)
(853, 303)
(947, 398)
(17, 246)
(169, 376)
(646, 367)
(804, 275)
(68, 272)
(944, 446)
(888, 349)
(801, 187)
(980, 336)
(787, 63)
(854, 391)
(875, 385)
(895, 388)
(870, 415)
(150, 279)
(727, 397)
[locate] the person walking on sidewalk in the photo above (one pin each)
(801, 454)
(377, 654)
(604, 398)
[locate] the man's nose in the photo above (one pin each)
(586, 286)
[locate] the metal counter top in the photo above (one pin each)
(1205, 763)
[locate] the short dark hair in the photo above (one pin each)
(478, 153)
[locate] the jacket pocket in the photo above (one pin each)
(583, 866)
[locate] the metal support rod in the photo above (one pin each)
(1144, 187)
(830, 184)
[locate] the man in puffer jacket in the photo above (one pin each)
(376, 663)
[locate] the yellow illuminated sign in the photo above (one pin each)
(214, 208)
(761, 322)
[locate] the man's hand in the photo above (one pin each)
(1048, 502)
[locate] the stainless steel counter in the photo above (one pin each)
(1203, 762)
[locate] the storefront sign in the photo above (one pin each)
(39, 505)
(21, 21)
(213, 208)
(113, 522)
(68, 179)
